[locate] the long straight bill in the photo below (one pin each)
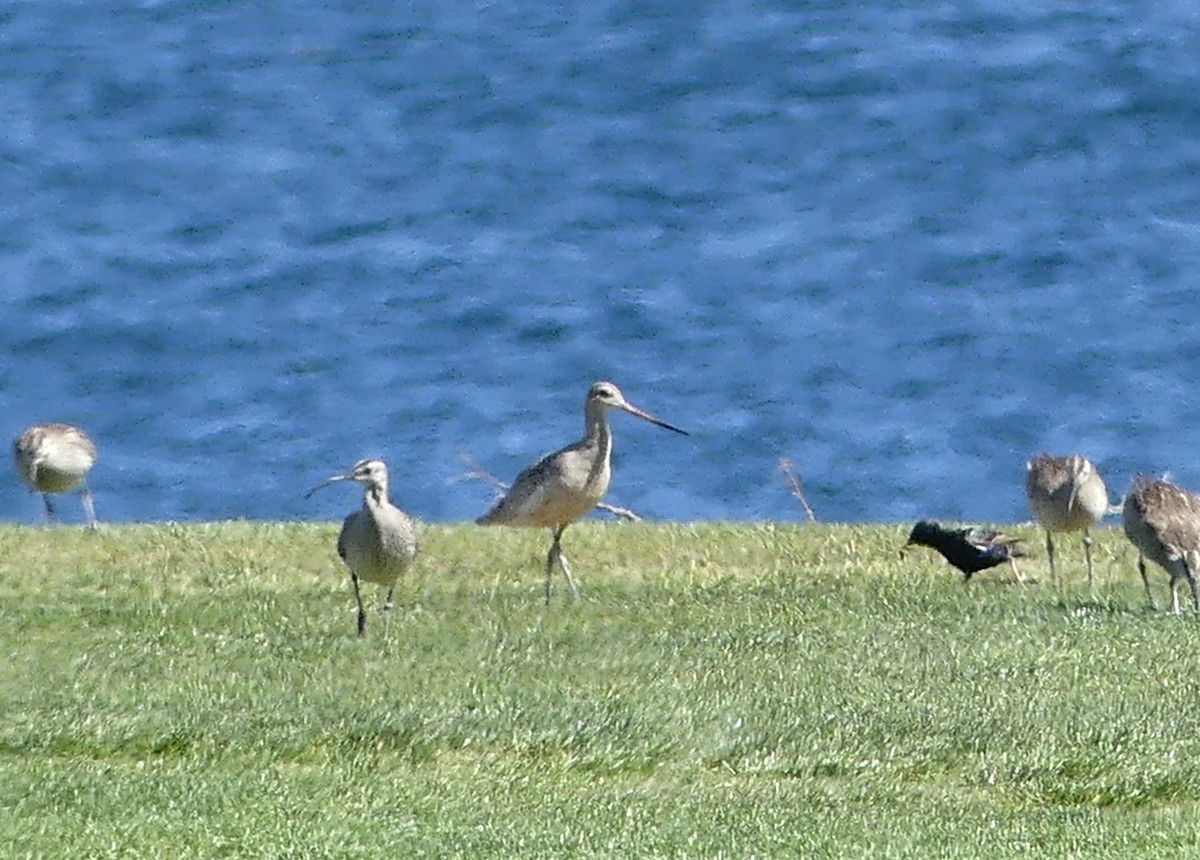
(646, 416)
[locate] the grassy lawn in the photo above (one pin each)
(722, 691)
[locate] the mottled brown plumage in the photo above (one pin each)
(377, 542)
(1162, 521)
(55, 458)
(1066, 494)
(563, 486)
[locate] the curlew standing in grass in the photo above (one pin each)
(1163, 522)
(968, 548)
(563, 486)
(1066, 494)
(55, 458)
(377, 542)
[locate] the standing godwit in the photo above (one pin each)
(378, 542)
(563, 486)
(1163, 522)
(968, 548)
(55, 458)
(1066, 494)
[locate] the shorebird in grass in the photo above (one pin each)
(1163, 522)
(55, 458)
(1066, 494)
(378, 542)
(968, 548)
(561, 487)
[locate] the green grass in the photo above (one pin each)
(722, 691)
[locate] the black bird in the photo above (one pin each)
(969, 548)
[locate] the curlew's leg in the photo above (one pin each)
(89, 508)
(387, 610)
(1191, 581)
(1050, 556)
(362, 613)
(1087, 551)
(51, 514)
(1174, 595)
(555, 549)
(1146, 582)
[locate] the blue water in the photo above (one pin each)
(904, 244)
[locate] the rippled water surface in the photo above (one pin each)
(905, 245)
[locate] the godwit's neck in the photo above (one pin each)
(598, 434)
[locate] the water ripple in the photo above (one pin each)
(904, 247)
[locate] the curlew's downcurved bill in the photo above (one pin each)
(563, 486)
(378, 543)
(55, 458)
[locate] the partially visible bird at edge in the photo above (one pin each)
(565, 485)
(968, 548)
(1162, 521)
(1066, 494)
(378, 543)
(55, 458)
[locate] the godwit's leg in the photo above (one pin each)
(1050, 556)
(556, 554)
(550, 556)
(1087, 551)
(51, 513)
(566, 569)
(1146, 582)
(362, 613)
(89, 508)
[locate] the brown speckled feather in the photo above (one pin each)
(1162, 521)
(55, 458)
(1066, 494)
